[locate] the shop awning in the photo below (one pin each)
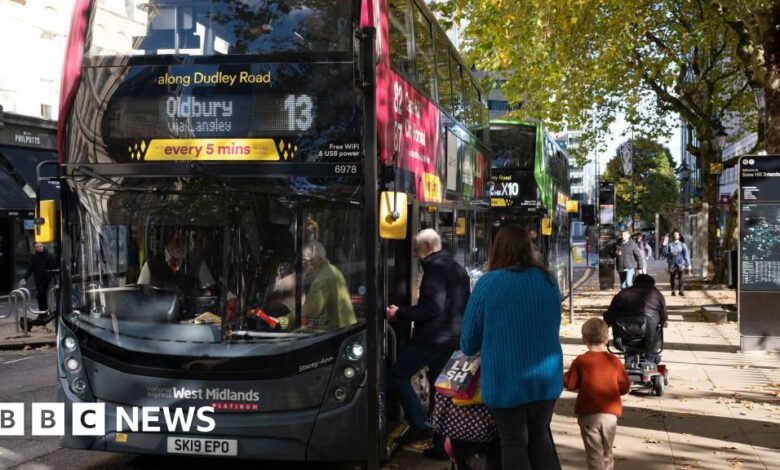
(25, 161)
(11, 195)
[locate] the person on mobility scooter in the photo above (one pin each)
(637, 316)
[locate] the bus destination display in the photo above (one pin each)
(512, 189)
(305, 112)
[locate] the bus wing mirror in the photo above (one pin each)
(45, 214)
(393, 215)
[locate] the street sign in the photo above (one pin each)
(716, 168)
(589, 214)
(759, 251)
(572, 206)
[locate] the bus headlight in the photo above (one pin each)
(69, 344)
(72, 364)
(349, 372)
(355, 351)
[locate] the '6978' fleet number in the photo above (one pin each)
(345, 169)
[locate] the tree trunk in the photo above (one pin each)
(712, 197)
(772, 86)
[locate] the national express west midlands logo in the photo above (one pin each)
(221, 399)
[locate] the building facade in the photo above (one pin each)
(29, 97)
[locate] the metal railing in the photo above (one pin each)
(19, 303)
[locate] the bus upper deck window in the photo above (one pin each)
(170, 28)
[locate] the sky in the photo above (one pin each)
(616, 137)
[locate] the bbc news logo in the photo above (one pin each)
(89, 419)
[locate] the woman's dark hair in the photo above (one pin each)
(513, 248)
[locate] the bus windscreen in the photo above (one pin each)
(515, 146)
(221, 27)
(192, 260)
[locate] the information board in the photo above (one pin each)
(606, 235)
(759, 251)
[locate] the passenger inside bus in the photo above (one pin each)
(327, 305)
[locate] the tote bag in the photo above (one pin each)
(459, 378)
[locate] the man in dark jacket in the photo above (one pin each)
(437, 317)
(41, 266)
(628, 257)
(640, 299)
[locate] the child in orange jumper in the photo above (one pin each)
(601, 380)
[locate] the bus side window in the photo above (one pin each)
(400, 32)
(423, 41)
(443, 70)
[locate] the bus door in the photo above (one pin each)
(461, 234)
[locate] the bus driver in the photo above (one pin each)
(165, 270)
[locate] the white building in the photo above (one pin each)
(32, 49)
(33, 34)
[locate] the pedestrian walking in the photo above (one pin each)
(678, 259)
(513, 320)
(628, 258)
(437, 317)
(41, 267)
(640, 242)
(600, 379)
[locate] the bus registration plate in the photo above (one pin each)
(202, 446)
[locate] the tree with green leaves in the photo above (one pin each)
(757, 26)
(583, 62)
(654, 180)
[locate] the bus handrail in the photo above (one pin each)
(393, 341)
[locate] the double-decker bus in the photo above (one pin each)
(221, 164)
(529, 186)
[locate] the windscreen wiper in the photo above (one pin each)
(252, 335)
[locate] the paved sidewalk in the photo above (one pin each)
(720, 411)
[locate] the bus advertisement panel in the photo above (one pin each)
(409, 135)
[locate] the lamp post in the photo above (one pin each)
(685, 175)
(720, 144)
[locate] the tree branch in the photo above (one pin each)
(663, 94)
(662, 45)
(731, 100)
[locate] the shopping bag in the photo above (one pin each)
(466, 423)
(460, 376)
(476, 399)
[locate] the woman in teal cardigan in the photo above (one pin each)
(513, 320)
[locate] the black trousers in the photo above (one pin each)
(42, 291)
(526, 438)
(677, 272)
